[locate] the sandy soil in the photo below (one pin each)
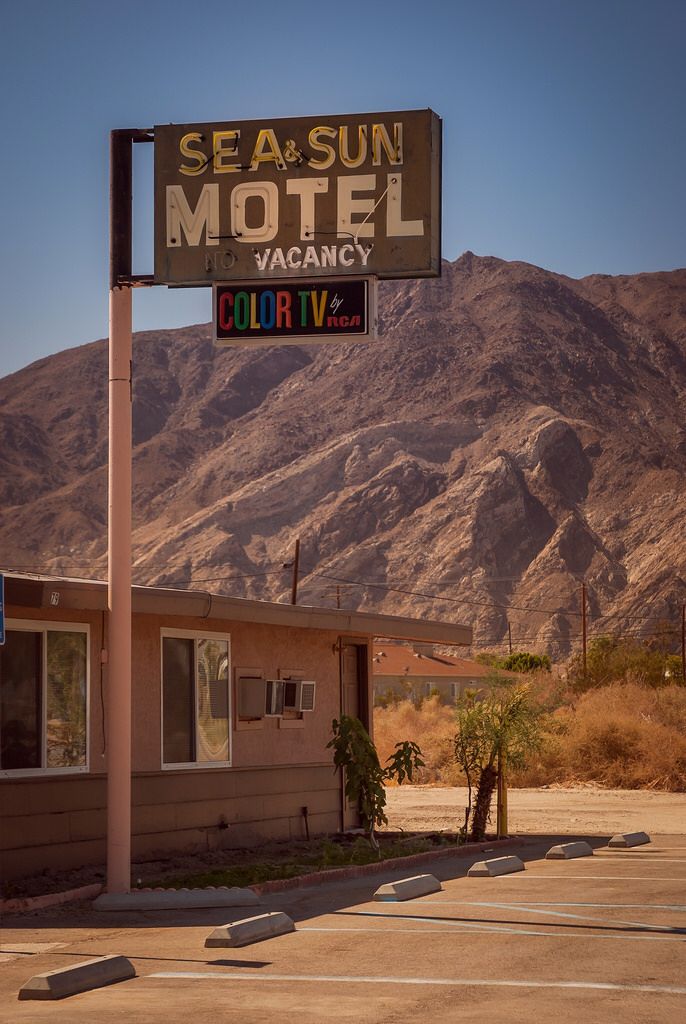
(554, 810)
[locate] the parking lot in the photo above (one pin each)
(597, 938)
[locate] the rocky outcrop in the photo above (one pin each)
(512, 433)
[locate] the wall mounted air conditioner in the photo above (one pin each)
(298, 694)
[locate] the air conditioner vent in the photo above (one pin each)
(307, 689)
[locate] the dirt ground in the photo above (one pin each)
(548, 810)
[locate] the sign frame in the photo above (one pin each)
(339, 195)
(272, 341)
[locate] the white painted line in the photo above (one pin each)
(501, 930)
(593, 878)
(601, 986)
(646, 858)
(599, 922)
(586, 917)
(679, 907)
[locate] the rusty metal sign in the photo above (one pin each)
(263, 313)
(335, 196)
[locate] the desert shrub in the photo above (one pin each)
(610, 660)
(518, 661)
(623, 736)
(431, 726)
(524, 661)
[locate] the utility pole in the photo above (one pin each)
(583, 625)
(338, 596)
(296, 564)
(509, 636)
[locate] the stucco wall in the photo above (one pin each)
(53, 821)
(270, 648)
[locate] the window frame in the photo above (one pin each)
(45, 626)
(195, 635)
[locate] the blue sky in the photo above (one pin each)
(564, 129)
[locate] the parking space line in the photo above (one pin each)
(555, 903)
(644, 854)
(497, 929)
(597, 922)
(587, 878)
(602, 986)
(582, 917)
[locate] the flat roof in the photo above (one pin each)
(26, 590)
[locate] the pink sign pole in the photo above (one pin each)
(119, 595)
(118, 694)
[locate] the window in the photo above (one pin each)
(195, 699)
(44, 698)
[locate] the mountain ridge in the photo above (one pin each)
(512, 432)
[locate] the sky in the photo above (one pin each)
(564, 135)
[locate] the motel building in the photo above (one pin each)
(402, 671)
(232, 705)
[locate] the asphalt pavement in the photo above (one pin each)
(597, 938)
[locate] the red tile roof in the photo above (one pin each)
(398, 660)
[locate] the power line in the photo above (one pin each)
(389, 588)
(439, 597)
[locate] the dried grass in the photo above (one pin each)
(623, 736)
(432, 726)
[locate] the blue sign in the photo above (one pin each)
(2, 609)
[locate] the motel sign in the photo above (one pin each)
(347, 195)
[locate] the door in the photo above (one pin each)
(355, 704)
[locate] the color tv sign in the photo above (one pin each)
(288, 313)
(348, 195)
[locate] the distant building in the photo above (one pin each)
(417, 671)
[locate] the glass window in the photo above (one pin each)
(177, 700)
(66, 699)
(195, 700)
(43, 699)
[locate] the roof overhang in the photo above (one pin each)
(91, 595)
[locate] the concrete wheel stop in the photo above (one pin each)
(627, 839)
(496, 866)
(567, 851)
(68, 981)
(407, 889)
(177, 899)
(251, 929)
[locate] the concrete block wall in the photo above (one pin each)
(60, 824)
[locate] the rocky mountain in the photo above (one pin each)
(513, 433)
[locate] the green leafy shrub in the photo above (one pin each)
(365, 779)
